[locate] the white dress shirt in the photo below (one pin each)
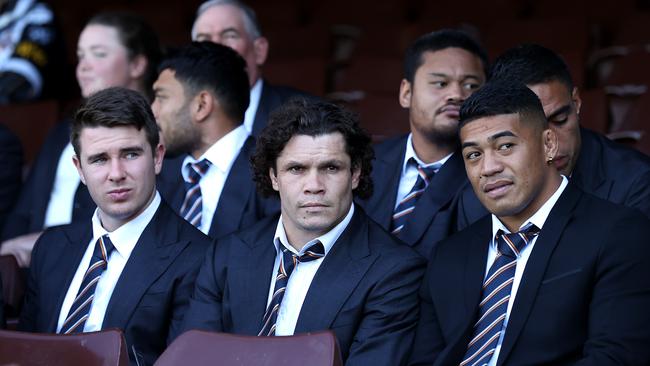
(253, 103)
(124, 239)
(410, 172)
(302, 275)
(66, 182)
(538, 220)
(221, 155)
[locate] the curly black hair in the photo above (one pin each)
(301, 116)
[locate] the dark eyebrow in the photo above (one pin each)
(131, 149)
(557, 112)
(491, 138)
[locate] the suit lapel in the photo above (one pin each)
(532, 277)
(156, 249)
(170, 182)
(439, 193)
(338, 276)
(75, 242)
(269, 100)
(388, 167)
(236, 190)
(252, 271)
(588, 173)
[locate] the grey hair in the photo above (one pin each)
(250, 19)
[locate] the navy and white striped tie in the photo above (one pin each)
(192, 207)
(407, 204)
(288, 262)
(497, 287)
(80, 309)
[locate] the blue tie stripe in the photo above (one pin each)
(497, 288)
(192, 207)
(80, 308)
(407, 204)
(287, 264)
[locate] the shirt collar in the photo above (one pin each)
(125, 237)
(254, 101)
(328, 239)
(538, 218)
(222, 153)
(410, 153)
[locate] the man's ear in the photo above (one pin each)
(158, 156)
(274, 180)
(261, 47)
(575, 96)
(202, 105)
(550, 143)
(356, 175)
(77, 164)
(405, 94)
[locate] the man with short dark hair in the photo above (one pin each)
(322, 264)
(234, 24)
(419, 177)
(200, 98)
(554, 276)
(594, 163)
(133, 266)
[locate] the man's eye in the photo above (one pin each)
(505, 146)
(559, 120)
(471, 86)
(131, 155)
(295, 169)
(472, 155)
(439, 84)
(332, 168)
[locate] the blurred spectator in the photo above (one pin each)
(31, 51)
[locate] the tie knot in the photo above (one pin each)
(316, 251)
(197, 170)
(511, 244)
(426, 172)
(106, 246)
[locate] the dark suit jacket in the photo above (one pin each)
(2, 307)
(365, 290)
(239, 205)
(28, 216)
(436, 213)
(583, 298)
(613, 172)
(272, 97)
(11, 169)
(149, 299)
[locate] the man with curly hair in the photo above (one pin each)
(322, 264)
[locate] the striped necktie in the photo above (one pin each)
(496, 295)
(407, 204)
(80, 309)
(192, 207)
(288, 262)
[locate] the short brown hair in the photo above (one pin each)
(115, 107)
(312, 118)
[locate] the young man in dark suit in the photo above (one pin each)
(554, 276)
(134, 264)
(594, 163)
(419, 177)
(234, 24)
(336, 269)
(200, 98)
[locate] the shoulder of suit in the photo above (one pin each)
(391, 146)
(614, 156)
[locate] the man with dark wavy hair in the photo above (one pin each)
(322, 264)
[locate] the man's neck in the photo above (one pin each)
(430, 152)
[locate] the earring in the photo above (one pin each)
(549, 160)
